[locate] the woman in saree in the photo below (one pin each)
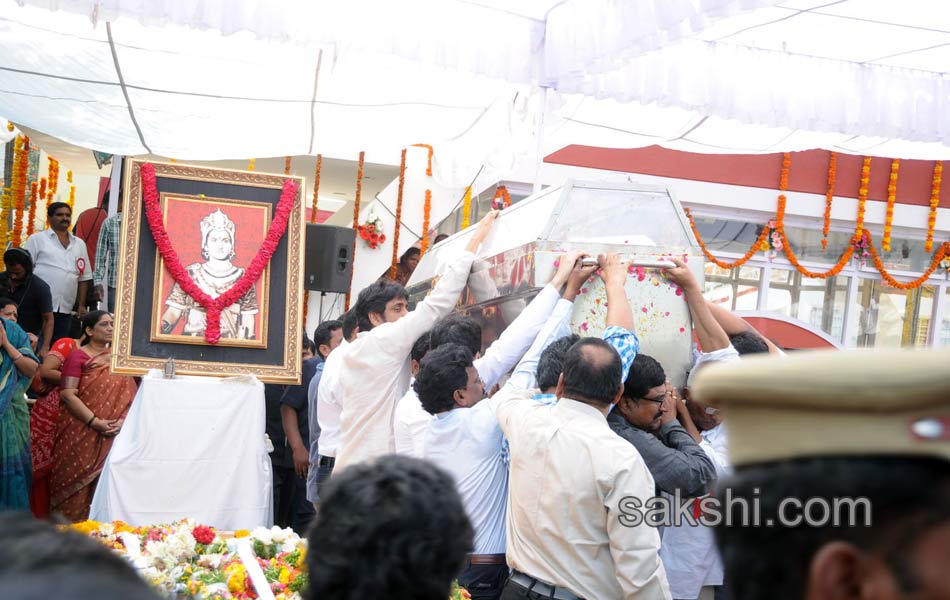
(18, 364)
(96, 403)
(43, 420)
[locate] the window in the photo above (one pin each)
(890, 318)
(819, 302)
(736, 289)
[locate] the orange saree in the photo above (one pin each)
(79, 452)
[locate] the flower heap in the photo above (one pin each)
(371, 231)
(189, 560)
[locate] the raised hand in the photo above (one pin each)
(484, 228)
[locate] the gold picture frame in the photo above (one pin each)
(275, 356)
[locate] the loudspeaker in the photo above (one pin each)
(328, 258)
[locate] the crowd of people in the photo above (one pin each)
(60, 405)
(411, 457)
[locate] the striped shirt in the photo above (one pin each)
(107, 251)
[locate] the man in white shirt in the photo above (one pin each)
(461, 433)
(324, 408)
(412, 420)
(61, 260)
(570, 475)
(375, 371)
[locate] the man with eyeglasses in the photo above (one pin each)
(646, 416)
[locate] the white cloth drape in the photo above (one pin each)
(190, 447)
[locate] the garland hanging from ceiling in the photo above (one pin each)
(861, 242)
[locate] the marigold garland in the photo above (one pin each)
(10, 126)
(891, 200)
(942, 253)
(501, 199)
(71, 201)
(790, 254)
(356, 218)
(467, 207)
(5, 204)
(863, 195)
(402, 182)
(31, 217)
(286, 165)
(426, 211)
(431, 153)
(250, 164)
(756, 246)
(829, 198)
(316, 188)
(21, 164)
(934, 203)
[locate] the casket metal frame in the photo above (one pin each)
(642, 222)
(267, 344)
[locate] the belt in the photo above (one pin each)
(543, 590)
(326, 461)
(486, 559)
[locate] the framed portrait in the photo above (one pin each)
(216, 238)
(216, 220)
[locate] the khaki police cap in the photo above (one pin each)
(830, 403)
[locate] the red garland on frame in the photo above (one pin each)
(214, 306)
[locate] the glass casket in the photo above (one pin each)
(644, 223)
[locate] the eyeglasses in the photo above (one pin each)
(658, 400)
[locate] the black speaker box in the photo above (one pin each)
(328, 258)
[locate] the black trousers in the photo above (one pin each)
(484, 582)
(285, 481)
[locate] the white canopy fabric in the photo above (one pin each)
(478, 79)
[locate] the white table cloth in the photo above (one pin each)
(190, 447)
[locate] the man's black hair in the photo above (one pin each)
(52, 208)
(420, 348)
(443, 370)
(324, 333)
(551, 361)
(350, 321)
(391, 528)
(74, 584)
(30, 546)
(308, 344)
(645, 374)
(906, 496)
(19, 256)
(457, 329)
(593, 372)
(373, 299)
(412, 251)
(748, 342)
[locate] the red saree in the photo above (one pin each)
(43, 420)
(79, 452)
